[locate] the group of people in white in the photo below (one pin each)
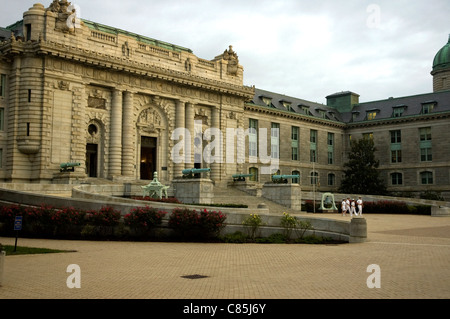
(349, 206)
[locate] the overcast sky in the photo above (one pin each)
(301, 48)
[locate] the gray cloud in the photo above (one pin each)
(306, 49)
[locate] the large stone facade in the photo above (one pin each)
(106, 99)
(76, 91)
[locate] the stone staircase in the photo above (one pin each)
(231, 195)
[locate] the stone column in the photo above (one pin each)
(115, 142)
(215, 123)
(189, 145)
(127, 135)
(179, 123)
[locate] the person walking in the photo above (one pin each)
(343, 207)
(353, 208)
(360, 204)
(347, 206)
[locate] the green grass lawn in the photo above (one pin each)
(9, 249)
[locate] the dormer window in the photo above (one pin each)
(397, 111)
(266, 100)
(322, 113)
(371, 114)
(428, 107)
(304, 109)
(354, 116)
(287, 105)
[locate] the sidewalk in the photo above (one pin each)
(413, 253)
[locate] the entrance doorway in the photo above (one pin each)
(148, 157)
(91, 159)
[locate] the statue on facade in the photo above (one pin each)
(233, 60)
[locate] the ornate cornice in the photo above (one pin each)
(122, 64)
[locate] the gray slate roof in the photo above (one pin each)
(296, 105)
(412, 106)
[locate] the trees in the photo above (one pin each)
(361, 174)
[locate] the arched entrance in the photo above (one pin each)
(93, 142)
(148, 157)
(152, 129)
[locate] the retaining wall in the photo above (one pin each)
(96, 196)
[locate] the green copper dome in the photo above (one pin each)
(442, 59)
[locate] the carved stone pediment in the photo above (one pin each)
(66, 20)
(149, 121)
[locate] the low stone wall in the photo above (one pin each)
(440, 211)
(96, 196)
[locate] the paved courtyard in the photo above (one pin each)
(413, 253)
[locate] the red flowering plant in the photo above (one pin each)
(38, 220)
(68, 221)
(106, 216)
(212, 221)
(191, 224)
(144, 219)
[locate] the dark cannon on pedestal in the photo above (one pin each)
(194, 172)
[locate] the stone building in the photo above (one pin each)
(76, 91)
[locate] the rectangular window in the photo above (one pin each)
(2, 85)
(425, 134)
(396, 179)
(426, 155)
(396, 146)
(396, 156)
(330, 144)
(426, 178)
(313, 136)
(425, 144)
(2, 119)
(313, 146)
(275, 140)
(294, 143)
(396, 137)
(253, 138)
(368, 136)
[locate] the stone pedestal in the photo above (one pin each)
(68, 178)
(288, 195)
(194, 190)
(358, 230)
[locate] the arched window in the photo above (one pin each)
(331, 179)
(296, 180)
(397, 179)
(254, 172)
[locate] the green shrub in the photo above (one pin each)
(252, 224)
(236, 237)
(275, 238)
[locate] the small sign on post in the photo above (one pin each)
(17, 226)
